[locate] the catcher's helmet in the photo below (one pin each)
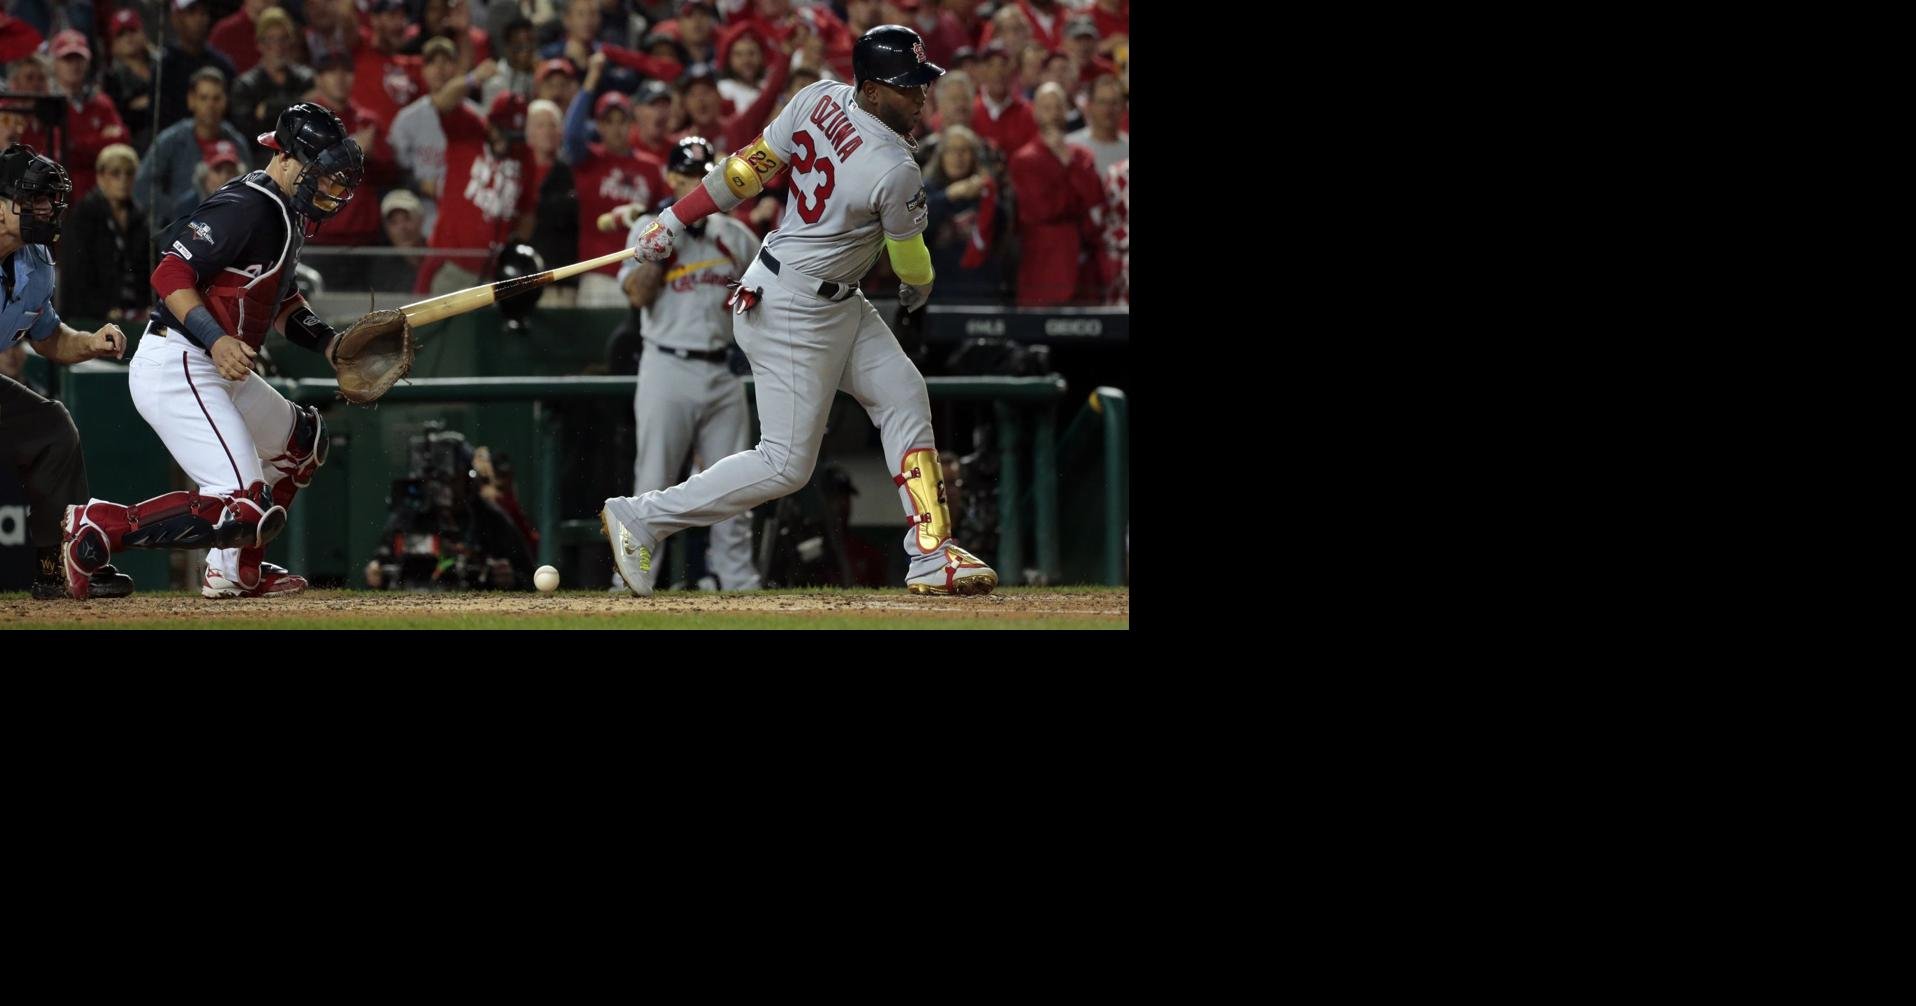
(690, 156)
(331, 162)
(894, 54)
(25, 177)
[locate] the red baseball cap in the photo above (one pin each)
(557, 64)
(508, 113)
(69, 43)
(225, 153)
(612, 99)
(125, 19)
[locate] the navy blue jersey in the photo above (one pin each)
(26, 310)
(242, 244)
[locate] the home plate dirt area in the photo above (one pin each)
(1008, 608)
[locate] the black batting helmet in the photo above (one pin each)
(894, 54)
(312, 135)
(25, 176)
(690, 156)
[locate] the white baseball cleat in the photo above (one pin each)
(631, 555)
(960, 573)
(274, 581)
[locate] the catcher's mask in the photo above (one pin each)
(331, 163)
(38, 187)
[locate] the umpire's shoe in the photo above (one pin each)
(631, 554)
(951, 570)
(107, 583)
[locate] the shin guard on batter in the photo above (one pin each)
(923, 483)
(939, 566)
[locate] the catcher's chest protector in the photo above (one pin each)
(249, 229)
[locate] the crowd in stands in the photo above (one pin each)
(488, 122)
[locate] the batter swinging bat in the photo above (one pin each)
(439, 308)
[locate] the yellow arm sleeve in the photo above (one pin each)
(910, 259)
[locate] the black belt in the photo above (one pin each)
(829, 291)
(709, 356)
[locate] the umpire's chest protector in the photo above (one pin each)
(251, 233)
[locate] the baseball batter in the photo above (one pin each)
(855, 192)
(688, 399)
(222, 284)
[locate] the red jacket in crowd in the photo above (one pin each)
(1014, 127)
(385, 83)
(235, 36)
(1060, 207)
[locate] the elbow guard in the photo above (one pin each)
(742, 175)
(911, 260)
(305, 329)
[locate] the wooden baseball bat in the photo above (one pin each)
(444, 306)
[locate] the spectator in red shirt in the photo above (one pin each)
(741, 58)
(488, 196)
(1117, 233)
(607, 175)
(235, 34)
(1113, 18)
(386, 80)
(1060, 207)
(1000, 115)
(358, 223)
(93, 124)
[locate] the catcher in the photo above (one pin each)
(227, 278)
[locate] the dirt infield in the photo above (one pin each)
(1028, 607)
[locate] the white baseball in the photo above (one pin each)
(546, 579)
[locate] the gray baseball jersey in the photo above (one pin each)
(689, 312)
(853, 184)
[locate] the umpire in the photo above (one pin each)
(39, 438)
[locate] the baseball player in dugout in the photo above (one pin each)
(41, 441)
(688, 399)
(799, 316)
(221, 285)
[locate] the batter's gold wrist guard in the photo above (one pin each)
(923, 479)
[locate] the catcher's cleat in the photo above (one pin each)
(274, 581)
(630, 554)
(960, 573)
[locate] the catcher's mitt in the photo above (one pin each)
(373, 355)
